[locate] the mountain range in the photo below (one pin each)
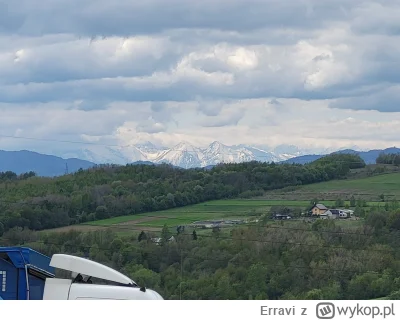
(184, 155)
(42, 164)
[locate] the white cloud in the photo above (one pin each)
(323, 73)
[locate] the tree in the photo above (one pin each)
(314, 294)
(352, 201)
(339, 203)
(101, 213)
(142, 236)
(1, 229)
(194, 235)
(216, 231)
(165, 234)
(180, 229)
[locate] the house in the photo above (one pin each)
(334, 214)
(349, 212)
(318, 209)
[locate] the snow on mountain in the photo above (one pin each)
(186, 155)
(217, 152)
(98, 154)
(183, 155)
(258, 154)
(132, 153)
(151, 151)
(106, 154)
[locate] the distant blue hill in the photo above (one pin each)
(42, 164)
(368, 156)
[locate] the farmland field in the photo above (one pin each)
(368, 189)
(219, 209)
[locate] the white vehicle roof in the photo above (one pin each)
(89, 268)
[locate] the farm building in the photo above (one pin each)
(318, 209)
(334, 214)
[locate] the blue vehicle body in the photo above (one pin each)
(23, 273)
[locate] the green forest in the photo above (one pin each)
(279, 261)
(39, 203)
(391, 158)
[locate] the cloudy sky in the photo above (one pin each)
(300, 72)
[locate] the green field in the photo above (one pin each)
(368, 189)
(220, 209)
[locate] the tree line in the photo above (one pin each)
(40, 203)
(391, 158)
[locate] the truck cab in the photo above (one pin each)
(80, 287)
(26, 274)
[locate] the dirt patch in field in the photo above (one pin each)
(77, 227)
(136, 221)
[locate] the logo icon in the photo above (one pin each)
(325, 310)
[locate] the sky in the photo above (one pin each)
(310, 73)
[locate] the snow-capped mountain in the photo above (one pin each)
(98, 154)
(151, 149)
(186, 155)
(217, 152)
(182, 155)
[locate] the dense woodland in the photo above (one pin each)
(296, 260)
(391, 158)
(38, 203)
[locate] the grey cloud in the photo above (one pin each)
(226, 119)
(163, 112)
(387, 100)
(210, 108)
(377, 17)
(68, 70)
(196, 37)
(275, 102)
(126, 89)
(90, 105)
(150, 126)
(77, 60)
(58, 123)
(127, 17)
(9, 20)
(157, 107)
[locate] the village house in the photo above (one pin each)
(318, 209)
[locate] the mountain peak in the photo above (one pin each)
(216, 145)
(146, 144)
(184, 146)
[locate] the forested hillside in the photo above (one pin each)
(109, 191)
(325, 259)
(295, 260)
(391, 158)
